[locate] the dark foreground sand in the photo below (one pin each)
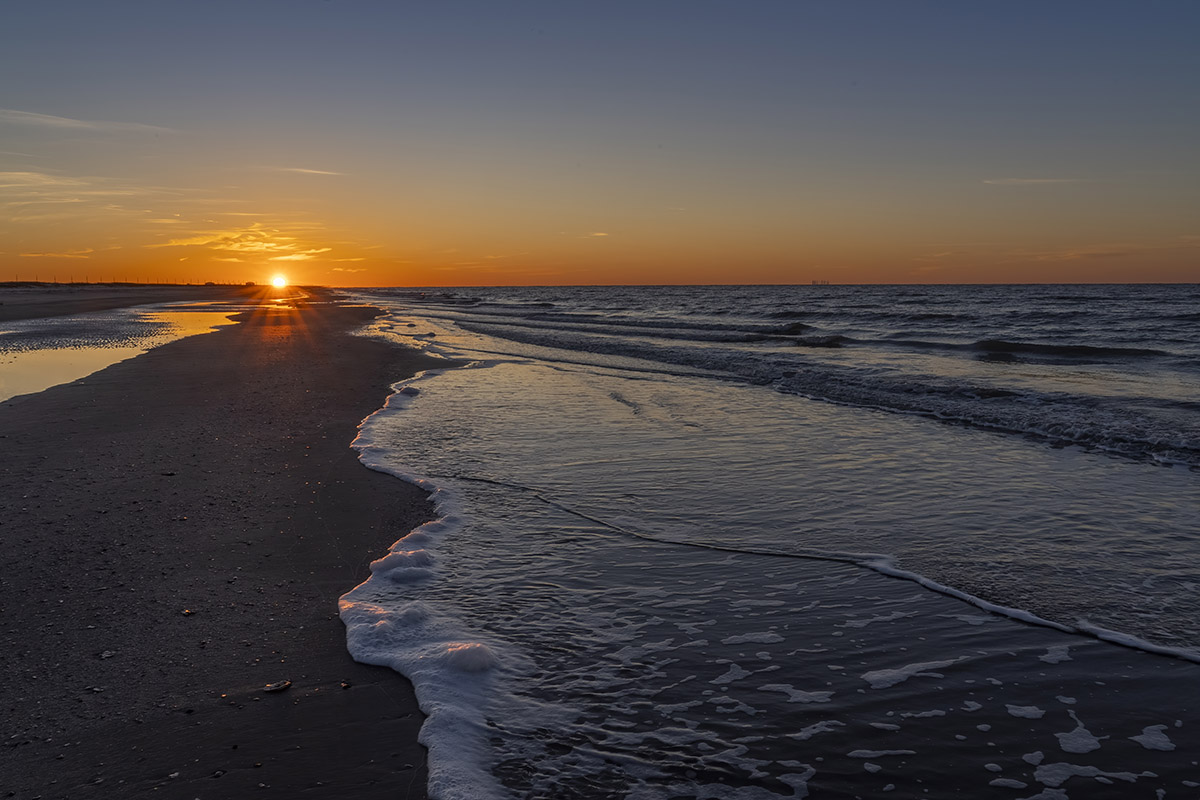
(176, 531)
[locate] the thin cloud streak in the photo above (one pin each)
(68, 254)
(1030, 181)
(36, 180)
(13, 116)
(303, 171)
(304, 255)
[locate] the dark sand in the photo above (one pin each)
(212, 474)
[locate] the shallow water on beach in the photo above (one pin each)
(652, 580)
(39, 353)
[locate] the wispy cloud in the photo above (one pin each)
(68, 254)
(304, 255)
(595, 234)
(44, 201)
(348, 269)
(1030, 181)
(349, 259)
(1082, 253)
(249, 243)
(30, 196)
(36, 180)
(15, 117)
(303, 171)
(89, 197)
(255, 238)
(992, 252)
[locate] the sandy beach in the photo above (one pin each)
(177, 529)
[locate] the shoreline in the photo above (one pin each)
(212, 476)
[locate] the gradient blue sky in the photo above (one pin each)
(372, 143)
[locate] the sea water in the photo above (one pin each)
(794, 541)
(36, 354)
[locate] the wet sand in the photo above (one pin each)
(176, 531)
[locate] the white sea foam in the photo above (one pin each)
(1026, 712)
(1008, 783)
(797, 695)
(935, 712)
(809, 731)
(451, 674)
(885, 678)
(1055, 775)
(765, 637)
(1057, 654)
(1048, 794)
(1154, 738)
(1079, 739)
(862, 623)
(1138, 643)
(734, 673)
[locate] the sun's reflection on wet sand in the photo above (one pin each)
(37, 364)
(36, 354)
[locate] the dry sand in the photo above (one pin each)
(176, 530)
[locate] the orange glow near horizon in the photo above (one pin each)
(1000, 231)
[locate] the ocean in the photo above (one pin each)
(826, 541)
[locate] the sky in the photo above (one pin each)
(360, 143)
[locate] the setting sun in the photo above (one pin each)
(279, 281)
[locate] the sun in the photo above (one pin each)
(279, 281)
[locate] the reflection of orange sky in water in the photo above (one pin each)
(273, 308)
(35, 370)
(32, 371)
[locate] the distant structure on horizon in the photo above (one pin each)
(820, 283)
